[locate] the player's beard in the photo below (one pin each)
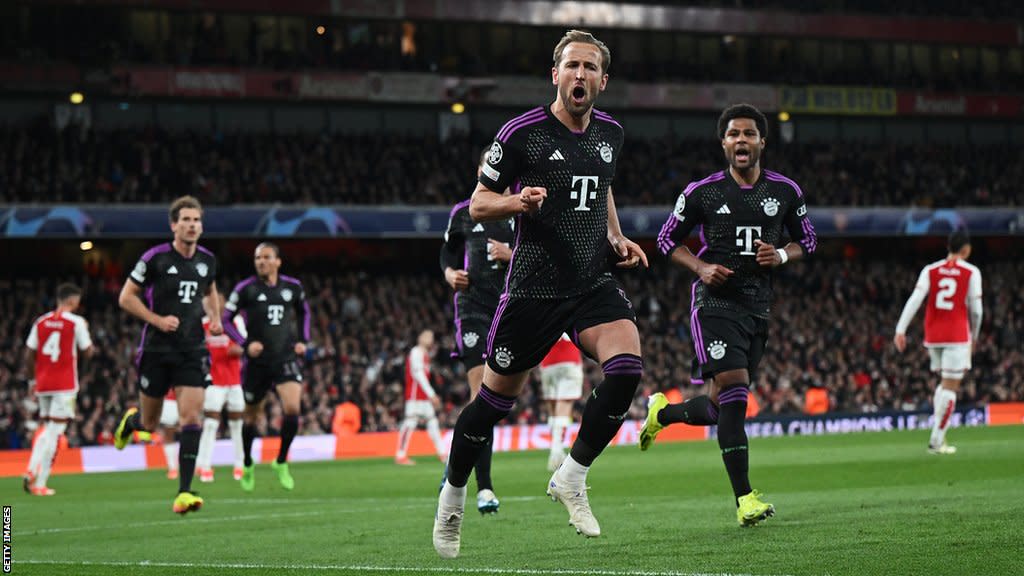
(578, 110)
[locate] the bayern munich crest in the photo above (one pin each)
(502, 357)
(469, 339)
(286, 295)
(717, 349)
(201, 269)
(606, 152)
(771, 206)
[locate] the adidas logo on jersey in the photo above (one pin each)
(172, 270)
(478, 228)
(724, 209)
(557, 155)
(262, 298)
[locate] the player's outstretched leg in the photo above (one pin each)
(603, 415)
(451, 504)
(697, 411)
(129, 423)
(473, 432)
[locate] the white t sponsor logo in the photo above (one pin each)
(587, 191)
(745, 236)
(187, 289)
(275, 312)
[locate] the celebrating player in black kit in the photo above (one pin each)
(741, 212)
(275, 309)
(474, 258)
(560, 160)
(177, 280)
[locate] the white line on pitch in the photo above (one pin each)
(377, 569)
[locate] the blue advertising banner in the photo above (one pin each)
(143, 221)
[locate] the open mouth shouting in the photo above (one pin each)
(578, 95)
(742, 155)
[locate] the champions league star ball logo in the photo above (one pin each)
(606, 152)
(494, 156)
(201, 269)
(717, 349)
(680, 207)
(470, 339)
(503, 357)
(286, 295)
(771, 206)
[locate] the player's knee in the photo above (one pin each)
(622, 374)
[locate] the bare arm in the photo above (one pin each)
(130, 300)
(486, 205)
(211, 305)
(629, 251)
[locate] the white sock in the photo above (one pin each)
(206, 441)
(37, 450)
(558, 425)
(945, 403)
(452, 496)
(171, 453)
(235, 426)
(434, 431)
(49, 438)
(404, 435)
(572, 472)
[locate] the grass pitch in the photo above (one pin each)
(873, 503)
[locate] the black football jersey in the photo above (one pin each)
(561, 250)
(175, 285)
(276, 316)
(465, 248)
(731, 217)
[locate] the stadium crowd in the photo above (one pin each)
(117, 36)
(154, 166)
(832, 328)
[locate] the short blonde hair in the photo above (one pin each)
(586, 38)
(183, 202)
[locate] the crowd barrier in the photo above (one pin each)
(514, 438)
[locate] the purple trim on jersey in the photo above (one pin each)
(158, 249)
(700, 382)
(291, 279)
(458, 326)
(499, 403)
(607, 118)
(578, 132)
(712, 409)
(732, 395)
(457, 207)
(238, 287)
(204, 250)
(306, 322)
(532, 117)
(227, 323)
(810, 239)
(142, 338)
(746, 187)
(665, 242)
(776, 177)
